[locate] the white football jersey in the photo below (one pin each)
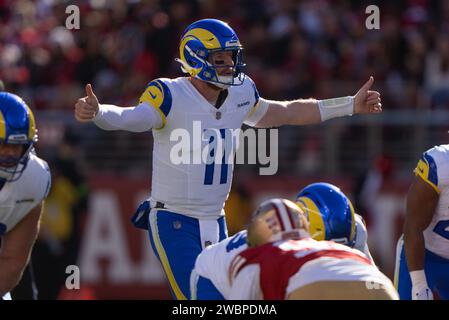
(192, 173)
(214, 261)
(433, 168)
(19, 197)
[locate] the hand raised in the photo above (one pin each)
(86, 108)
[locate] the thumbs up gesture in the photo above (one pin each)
(367, 101)
(86, 108)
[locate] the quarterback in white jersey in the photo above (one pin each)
(422, 258)
(182, 185)
(24, 183)
(191, 117)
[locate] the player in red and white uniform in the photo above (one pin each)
(283, 262)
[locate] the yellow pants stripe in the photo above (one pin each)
(161, 252)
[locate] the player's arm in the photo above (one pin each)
(311, 111)
(422, 199)
(16, 249)
(143, 117)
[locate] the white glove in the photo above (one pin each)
(422, 294)
(420, 288)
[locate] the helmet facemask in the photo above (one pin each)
(213, 69)
(210, 72)
(11, 167)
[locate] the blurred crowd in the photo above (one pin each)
(293, 48)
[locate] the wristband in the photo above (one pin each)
(336, 107)
(419, 280)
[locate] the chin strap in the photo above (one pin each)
(217, 84)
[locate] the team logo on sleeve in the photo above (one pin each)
(158, 95)
(421, 167)
(154, 95)
(427, 170)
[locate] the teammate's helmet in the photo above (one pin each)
(277, 219)
(329, 212)
(17, 126)
(204, 37)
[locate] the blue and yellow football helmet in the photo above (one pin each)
(199, 41)
(330, 213)
(17, 126)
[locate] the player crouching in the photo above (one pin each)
(284, 263)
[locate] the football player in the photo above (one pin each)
(24, 184)
(284, 263)
(422, 256)
(332, 216)
(185, 211)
